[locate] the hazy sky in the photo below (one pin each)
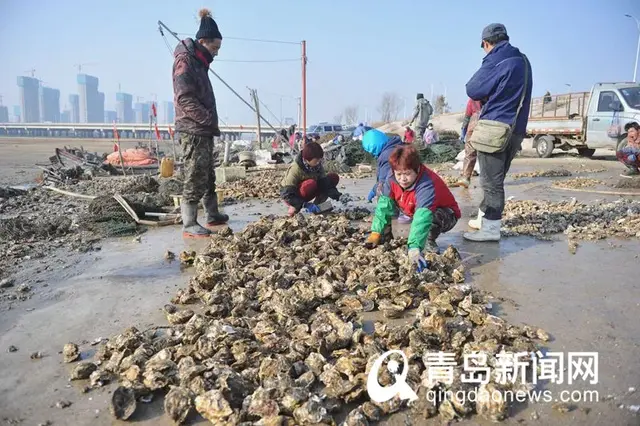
(357, 50)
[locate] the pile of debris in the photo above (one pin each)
(633, 183)
(577, 183)
(578, 220)
(542, 173)
(442, 152)
(278, 340)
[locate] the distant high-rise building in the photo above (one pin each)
(91, 109)
(4, 114)
(142, 110)
(110, 116)
(169, 112)
(124, 108)
(49, 105)
(74, 101)
(65, 116)
(101, 111)
(17, 113)
(29, 99)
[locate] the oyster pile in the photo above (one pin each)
(578, 182)
(578, 220)
(264, 185)
(273, 334)
(541, 173)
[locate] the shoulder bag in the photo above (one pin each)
(490, 136)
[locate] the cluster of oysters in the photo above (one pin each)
(270, 331)
(263, 185)
(542, 173)
(597, 221)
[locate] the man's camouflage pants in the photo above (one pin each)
(418, 142)
(198, 172)
(444, 219)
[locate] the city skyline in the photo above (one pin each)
(42, 104)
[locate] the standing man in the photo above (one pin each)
(503, 84)
(422, 113)
(197, 122)
(471, 116)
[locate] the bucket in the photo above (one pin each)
(166, 167)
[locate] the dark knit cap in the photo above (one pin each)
(311, 151)
(208, 27)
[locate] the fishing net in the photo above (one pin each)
(108, 218)
(441, 152)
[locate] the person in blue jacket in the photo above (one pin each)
(381, 146)
(504, 76)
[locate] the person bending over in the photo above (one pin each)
(420, 194)
(306, 185)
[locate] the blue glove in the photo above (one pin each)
(631, 158)
(416, 257)
(463, 133)
(312, 208)
(372, 195)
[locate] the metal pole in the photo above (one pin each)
(304, 88)
(162, 25)
(635, 68)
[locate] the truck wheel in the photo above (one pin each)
(544, 146)
(586, 152)
(621, 145)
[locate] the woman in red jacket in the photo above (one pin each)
(419, 193)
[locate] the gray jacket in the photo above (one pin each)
(422, 113)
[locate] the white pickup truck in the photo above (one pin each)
(582, 120)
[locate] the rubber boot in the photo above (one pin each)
(477, 222)
(489, 231)
(213, 216)
(190, 226)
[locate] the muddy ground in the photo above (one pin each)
(588, 301)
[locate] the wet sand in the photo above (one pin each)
(588, 302)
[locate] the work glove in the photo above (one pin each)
(631, 158)
(371, 196)
(373, 241)
(312, 208)
(416, 257)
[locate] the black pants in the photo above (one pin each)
(493, 169)
(444, 219)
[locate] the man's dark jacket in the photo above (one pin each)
(195, 103)
(499, 83)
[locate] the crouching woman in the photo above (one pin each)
(306, 185)
(419, 193)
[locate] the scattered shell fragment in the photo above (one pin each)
(187, 257)
(562, 407)
(63, 404)
(70, 352)
(169, 255)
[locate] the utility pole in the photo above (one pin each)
(635, 69)
(256, 104)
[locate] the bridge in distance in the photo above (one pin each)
(104, 130)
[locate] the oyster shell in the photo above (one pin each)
(83, 370)
(212, 406)
(123, 403)
(178, 404)
(70, 352)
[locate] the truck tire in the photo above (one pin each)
(586, 152)
(621, 145)
(545, 146)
